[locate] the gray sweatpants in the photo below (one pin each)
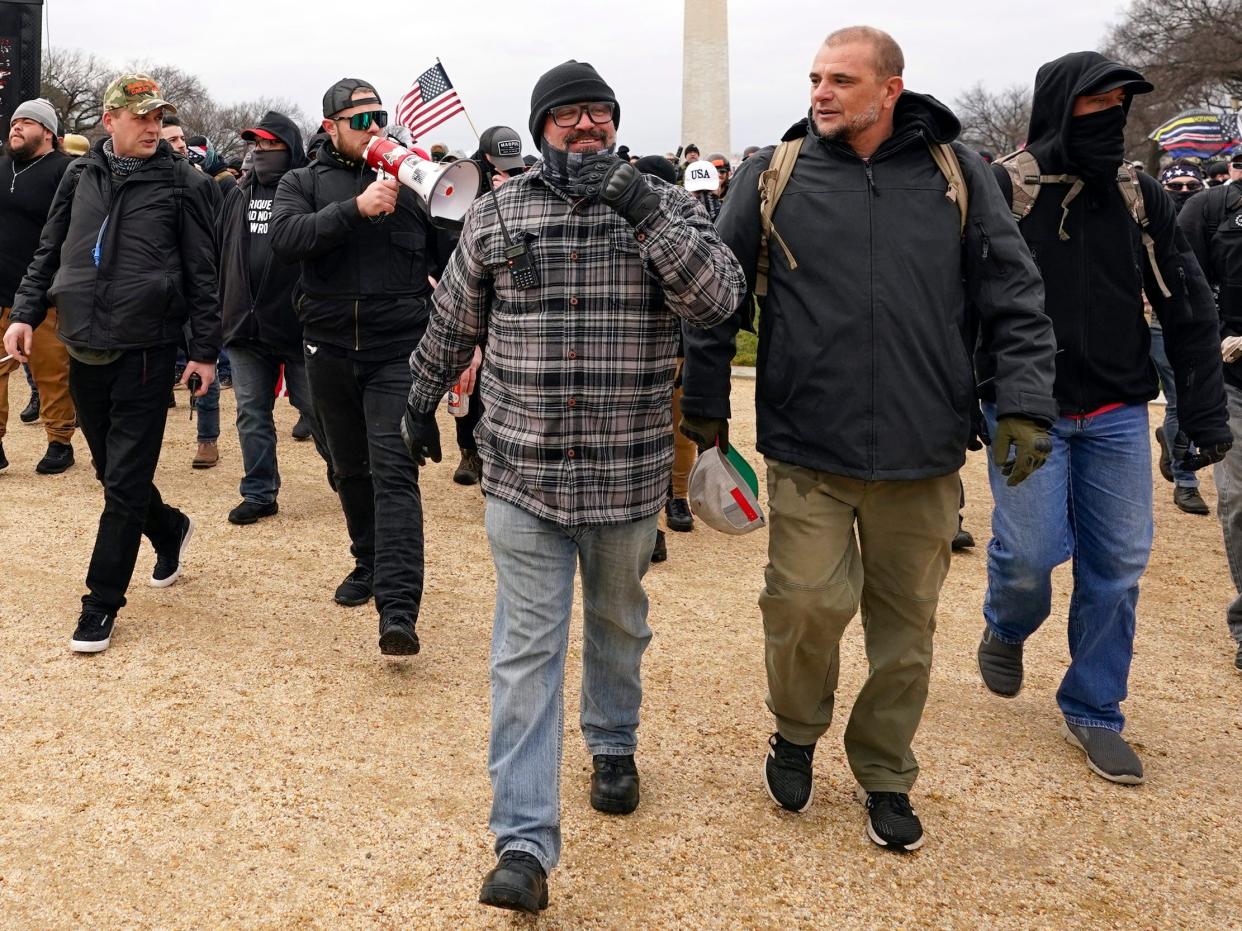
(1228, 475)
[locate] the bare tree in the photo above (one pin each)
(994, 120)
(74, 82)
(1191, 50)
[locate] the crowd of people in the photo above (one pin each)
(913, 299)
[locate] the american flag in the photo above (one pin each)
(429, 102)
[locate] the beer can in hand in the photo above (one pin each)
(458, 401)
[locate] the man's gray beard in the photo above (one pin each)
(858, 124)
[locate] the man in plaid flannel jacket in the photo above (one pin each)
(579, 272)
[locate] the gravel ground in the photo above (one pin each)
(243, 757)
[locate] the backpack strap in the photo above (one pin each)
(771, 185)
(1132, 194)
(1024, 181)
(945, 157)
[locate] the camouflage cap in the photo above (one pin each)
(137, 93)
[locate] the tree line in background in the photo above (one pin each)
(74, 81)
(1191, 50)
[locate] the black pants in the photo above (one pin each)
(359, 406)
(122, 408)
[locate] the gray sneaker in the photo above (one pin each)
(1108, 754)
(1000, 664)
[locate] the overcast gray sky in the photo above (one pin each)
(495, 51)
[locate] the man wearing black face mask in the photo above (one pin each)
(261, 330)
(1102, 236)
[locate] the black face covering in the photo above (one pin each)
(1097, 144)
(1179, 198)
(269, 165)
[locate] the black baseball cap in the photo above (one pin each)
(338, 96)
(503, 147)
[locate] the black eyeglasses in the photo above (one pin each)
(1180, 186)
(570, 114)
(363, 121)
(1236, 166)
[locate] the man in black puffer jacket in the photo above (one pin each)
(261, 330)
(1092, 502)
(127, 256)
(366, 249)
(864, 401)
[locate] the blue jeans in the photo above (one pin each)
(1228, 474)
(256, 370)
(1091, 502)
(1180, 476)
(535, 563)
(207, 411)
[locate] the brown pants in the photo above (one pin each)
(684, 450)
(49, 365)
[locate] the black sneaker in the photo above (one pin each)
(168, 565)
(356, 589)
(891, 822)
(659, 552)
(30, 413)
(225, 379)
(4, 462)
(614, 783)
(397, 636)
(93, 633)
(1000, 664)
(787, 773)
(677, 515)
(250, 511)
(301, 429)
(1166, 458)
(517, 882)
(470, 469)
(59, 456)
(962, 540)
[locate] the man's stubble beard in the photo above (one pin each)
(860, 123)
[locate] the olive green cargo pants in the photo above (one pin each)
(819, 573)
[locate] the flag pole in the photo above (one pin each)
(464, 111)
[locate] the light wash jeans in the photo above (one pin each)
(1164, 367)
(535, 565)
(1228, 475)
(1091, 502)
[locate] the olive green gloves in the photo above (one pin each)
(1031, 447)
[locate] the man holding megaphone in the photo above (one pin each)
(366, 246)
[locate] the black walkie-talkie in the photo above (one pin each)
(517, 254)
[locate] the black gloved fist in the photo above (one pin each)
(619, 185)
(706, 431)
(421, 435)
(1203, 456)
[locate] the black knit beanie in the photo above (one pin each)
(571, 82)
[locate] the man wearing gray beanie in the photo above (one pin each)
(581, 292)
(30, 171)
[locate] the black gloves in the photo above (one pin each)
(421, 436)
(618, 185)
(705, 431)
(1205, 456)
(1031, 447)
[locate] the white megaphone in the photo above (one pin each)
(448, 189)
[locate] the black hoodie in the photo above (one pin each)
(864, 361)
(256, 286)
(1094, 280)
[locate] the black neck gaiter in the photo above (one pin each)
(269, 165)
(560, 167)
(1097, 144)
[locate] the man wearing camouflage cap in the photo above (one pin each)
(129, 241)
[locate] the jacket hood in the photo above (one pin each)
(287, 132)
(918, 112)
(1057, 83)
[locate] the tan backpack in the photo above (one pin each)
(772, 185)
(1026, 181)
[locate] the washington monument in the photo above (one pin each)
(705, 77)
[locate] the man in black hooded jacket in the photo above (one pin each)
(1092, 502)
(864, 400)
(261, 330)
(366, 248)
